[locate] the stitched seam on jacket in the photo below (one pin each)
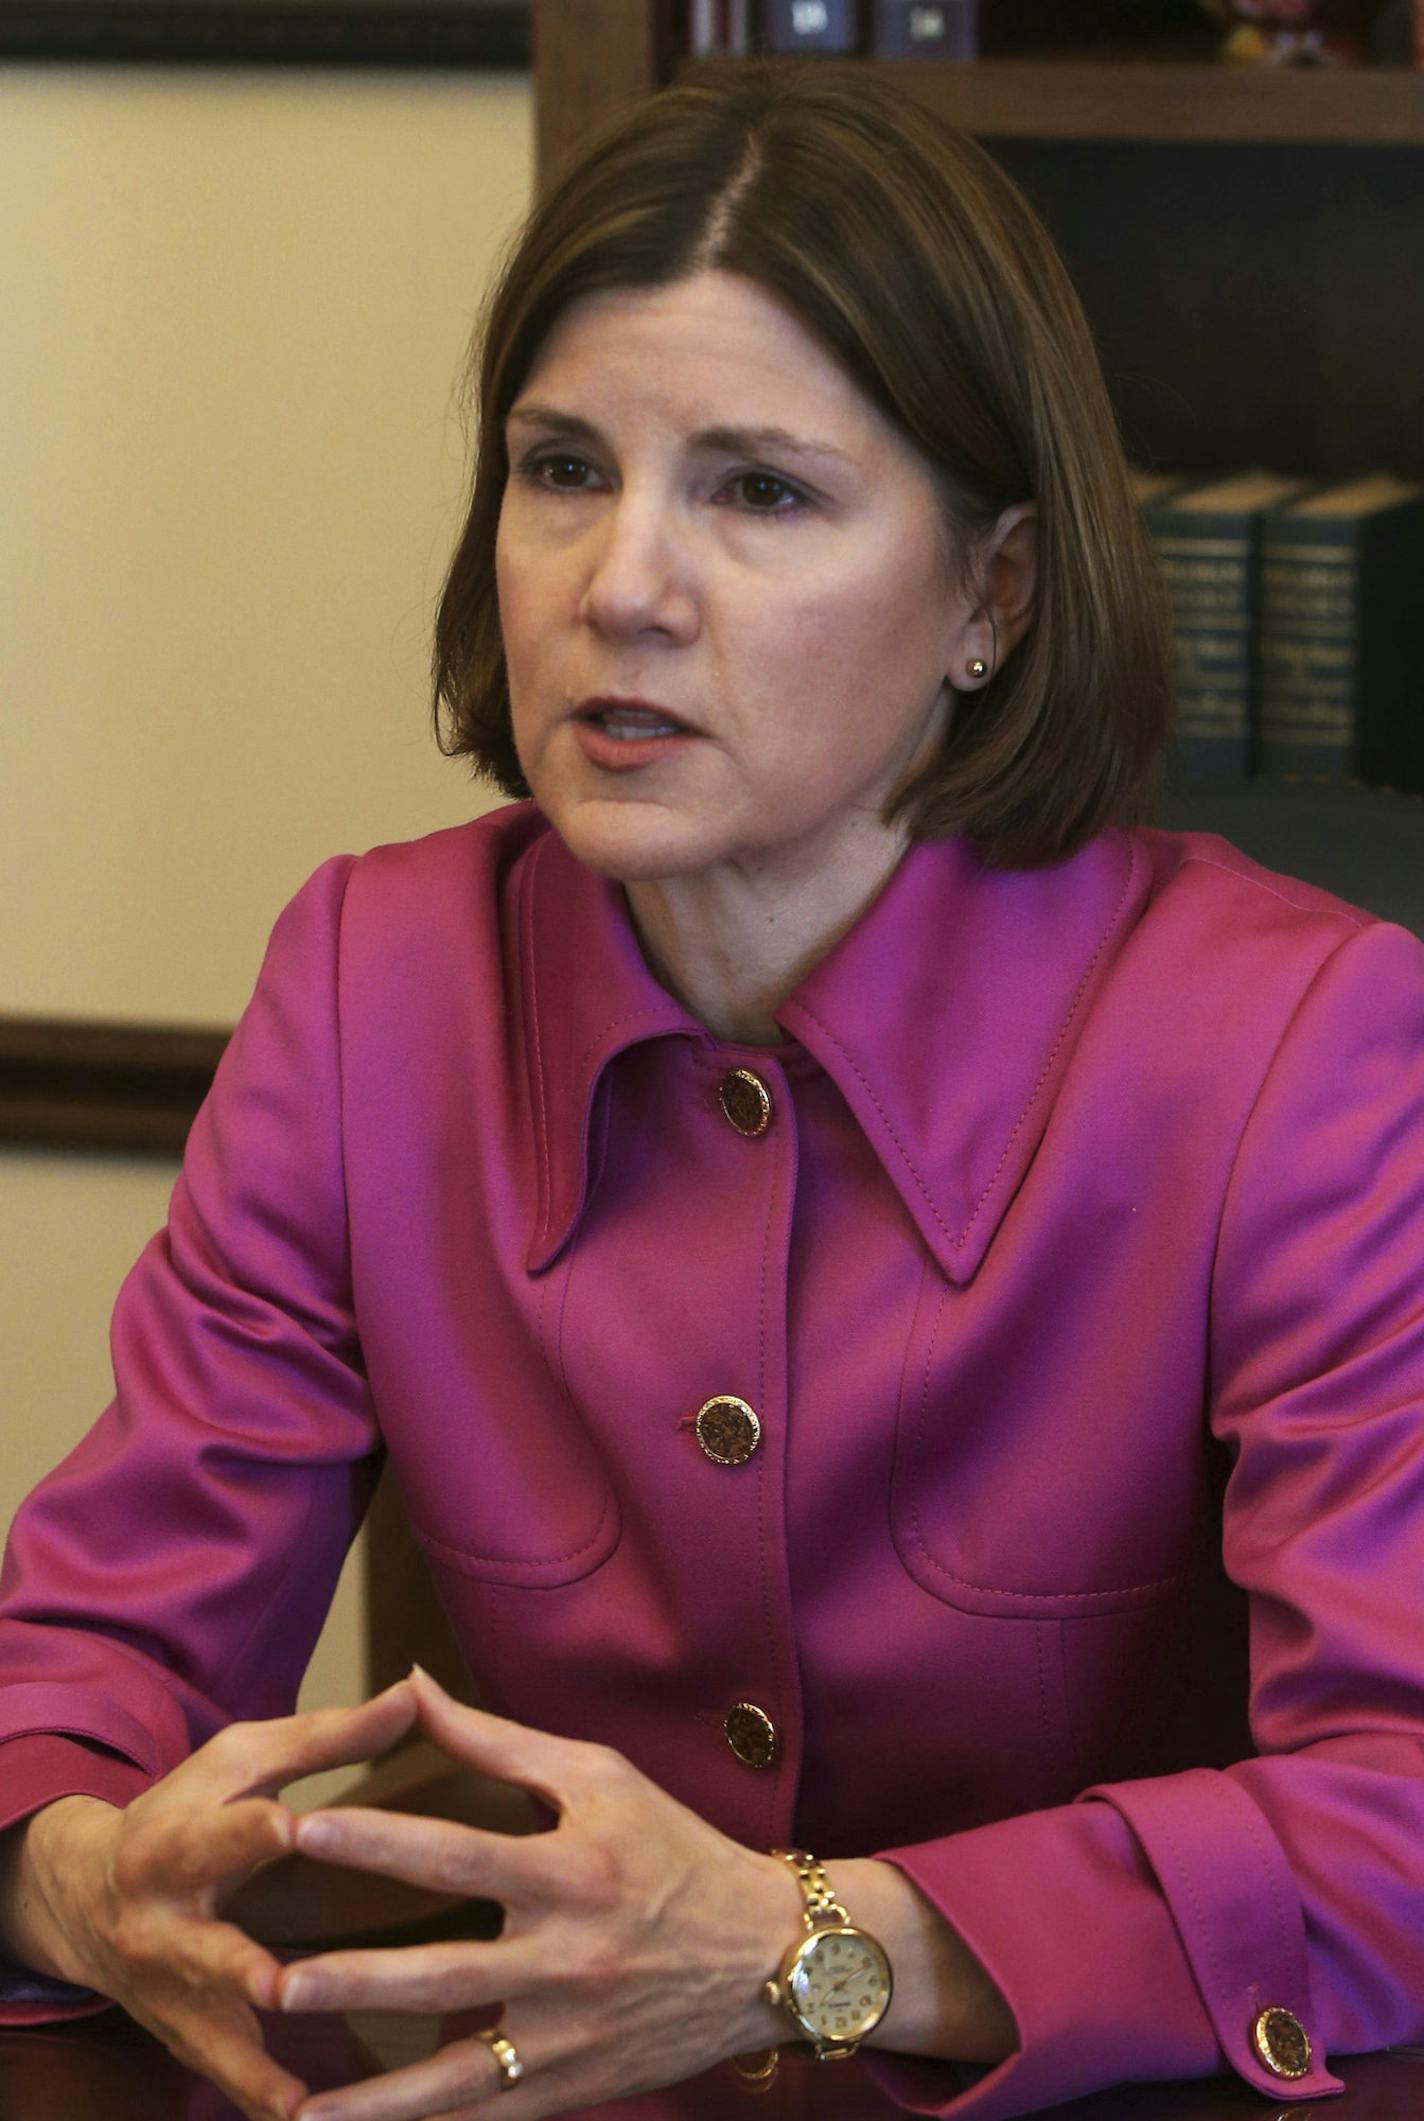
(1017, 1128)
(1290, 1953)
(1208, 1942)
(905, 1156)
(763, 1504)
(616, 1023)
(1066, 1026)
(512, 1561)
(530, 958)
(993, 1590)
(1046, 1728)
(1357, 919)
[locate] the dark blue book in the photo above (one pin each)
(1342, 636)
(813, 26)
(925, 29)
(1209, 542)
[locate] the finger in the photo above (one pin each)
(461, 2077)
(434, 1853)
(551, 1767)
(258, 1758)
(229, 2052)
(214, 1962)
(247, 2076)
(455, 1976)
(192, 2002)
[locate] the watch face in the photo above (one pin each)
(840, 1984)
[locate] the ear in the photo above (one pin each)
(1006, 569)
(1011, 571)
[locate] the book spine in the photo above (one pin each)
(716, 26)
(739, 32)
(1211, 574)
(703, 35)
(813, 25)
(925, 29)
(1309, 601)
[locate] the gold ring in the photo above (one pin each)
(757, 2073)
(511, 2069)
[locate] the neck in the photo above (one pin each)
(732, 942)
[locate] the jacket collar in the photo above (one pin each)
(946, 1018)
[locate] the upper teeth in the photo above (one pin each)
(635, 722)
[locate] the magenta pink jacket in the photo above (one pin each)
(1077, 1283)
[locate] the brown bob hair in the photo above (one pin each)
(908, 253)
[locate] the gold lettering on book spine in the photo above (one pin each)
(1307, 647)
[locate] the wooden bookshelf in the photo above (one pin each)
(1245, 239)
(590, 54)
(1132, 99)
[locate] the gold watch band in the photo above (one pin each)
(820, 1907)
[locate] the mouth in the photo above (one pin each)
(629, 721)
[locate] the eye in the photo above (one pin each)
(545, 468)
(764, 494)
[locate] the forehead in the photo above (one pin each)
(715, 346)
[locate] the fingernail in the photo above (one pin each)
(315, 1835)
(296, 1994)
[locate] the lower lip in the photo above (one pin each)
(618, 754)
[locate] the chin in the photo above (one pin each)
(634, 843)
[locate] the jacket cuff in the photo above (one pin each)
(1068, 1916)
(40, 1767)
(1237, 1911)
(34, 1771)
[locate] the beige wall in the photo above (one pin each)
(237, 305)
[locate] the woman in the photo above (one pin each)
(872, 1265)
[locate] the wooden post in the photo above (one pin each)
(590, 56)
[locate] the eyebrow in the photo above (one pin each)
(718, 441)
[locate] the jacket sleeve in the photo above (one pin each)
(174, 1572)
(1140, 1931)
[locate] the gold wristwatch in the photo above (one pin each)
(834, 1982)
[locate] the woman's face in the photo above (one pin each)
(704, 514)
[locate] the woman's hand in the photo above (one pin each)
(127, 1902)
(635, 1942)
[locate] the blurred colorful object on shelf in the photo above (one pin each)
(1295, 32)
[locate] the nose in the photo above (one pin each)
(639, 574)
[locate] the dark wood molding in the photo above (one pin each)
(66, 1084)
(1132, 98)
(386, 33)
(590, 57)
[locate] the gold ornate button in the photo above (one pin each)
(751, 1734)
(1282, 2043)
(728, 1430)
(746, 1101)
